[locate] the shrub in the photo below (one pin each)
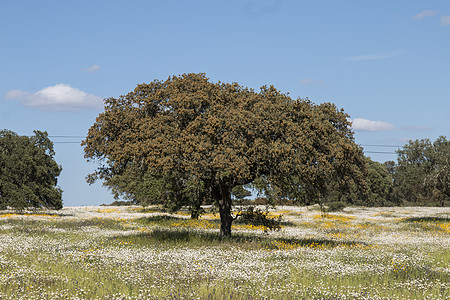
(120, 203)
(257, 217)
(336, 206)
(261, 201)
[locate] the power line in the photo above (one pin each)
(377, 152)
(380, 152)
(392, 146)
(66, 136)
(364, 145)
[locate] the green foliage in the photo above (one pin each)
(380, 184)
(173, 191)
(257, 217)
(218, 136)
(335, 206)
(421, 177)
(28, 171)
(422, 174)
(119, 203)
(240, 192)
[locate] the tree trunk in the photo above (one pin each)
(195, 214)
(225, 221)
(222, 196)
(196, 209)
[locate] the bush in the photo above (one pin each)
(257, 217)
(261, 201)
(120, 203)
(336, 206)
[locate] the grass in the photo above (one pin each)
(183, 238)
(117, 253)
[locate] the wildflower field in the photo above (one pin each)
(132, 252)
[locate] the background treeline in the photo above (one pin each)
(420, 177)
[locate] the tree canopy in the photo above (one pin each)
(221, 135)
(422, 173)
(28, 171)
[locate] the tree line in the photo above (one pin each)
(419, 177)
(187, 141)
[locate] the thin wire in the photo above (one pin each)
(380, 152)
(365, 145)
(393, 146)
(66, 136)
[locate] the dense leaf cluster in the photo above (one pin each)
(28, 171)
(421, 176)
(422, 172)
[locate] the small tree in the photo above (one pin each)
(220, 135)
(28, 171)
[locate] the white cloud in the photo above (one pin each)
(368, 125)
(60, 97)
(307, 81)
(445, 20)
(425, 14)
(93, 69)
(385, 55)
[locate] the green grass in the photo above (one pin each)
(150, 258)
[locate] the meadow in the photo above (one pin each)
(130, 252)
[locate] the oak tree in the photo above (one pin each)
(422, 172)
(221, 135)
(380, 184)
(28, 171)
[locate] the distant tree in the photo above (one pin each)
(380, 184)
(221, 136)
(240, 192)
(28, 171)
(377, 191)
(422, 172)
(390, 167)
(438, 180)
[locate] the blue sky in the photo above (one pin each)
(387, 63)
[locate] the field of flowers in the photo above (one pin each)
(136, 253)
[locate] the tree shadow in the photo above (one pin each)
(35, 213)
(427, 219)
(159, 218)
(195, 238)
